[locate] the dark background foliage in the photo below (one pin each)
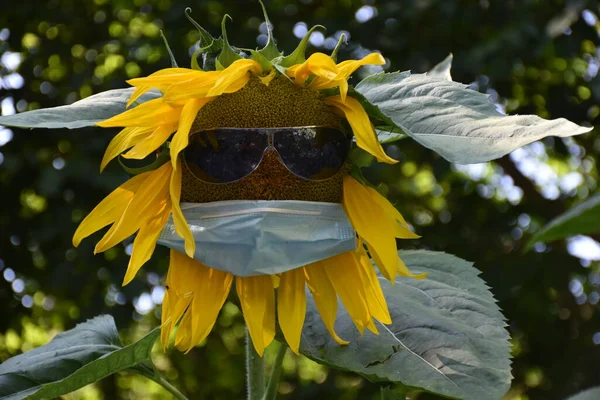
(532, 56)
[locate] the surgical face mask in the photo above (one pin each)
(263, 237)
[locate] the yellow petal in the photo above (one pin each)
(346, 68)
(371, 224)
(181, 226)
(318, 64)
(150, 113)
(265, 80)
(234, 77)
(268, 327)
(193, 88)
(253, 292)
(344, 274)
(125, 139)
(149, 144)
(186, 120)
(399, 225)
(324, 296)
(146, 203)
(161, 80)
(145, 242)
(177, 296)
(110, 209)
(211, 290)
(363, 131)
(291, 306)
(375, 299)
(404, 271)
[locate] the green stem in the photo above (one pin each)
(255, 371)
(170, 388)
(271, 393)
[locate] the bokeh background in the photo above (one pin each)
(531, 56)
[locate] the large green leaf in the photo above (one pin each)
(442, 69)
(447, 336)
(590, 394)
(583, 218)
(82, 113)
(73, 359)
(462, 125)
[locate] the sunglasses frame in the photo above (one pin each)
(270, 132)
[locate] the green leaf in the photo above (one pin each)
(442, 70)
(581, 219)
(82, 113)
(462, 125)
(447, 334)
(378, 118)
(73, 359)
(388, 137)
(590, 394)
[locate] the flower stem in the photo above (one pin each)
(170, 388)
(255, 371)
(271, 392)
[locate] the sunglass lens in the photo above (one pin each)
(314, 152)
(224, 155)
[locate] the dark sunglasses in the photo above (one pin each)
(225, 155)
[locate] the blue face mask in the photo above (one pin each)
(261, 237)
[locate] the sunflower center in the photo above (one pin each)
(280, 104)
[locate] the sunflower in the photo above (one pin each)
(264, 89)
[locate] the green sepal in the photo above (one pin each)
(207, 42)
(209, 46)
(195, 64)
(162, 158)
(270, 51)
(357, 174)
(171, 56)
(298, 56)
(334, 53)
(228, 54)
(262, 60)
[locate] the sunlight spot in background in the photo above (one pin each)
(27, 301)
(365, 13)
(8, 106)
(158, 293)
(58, 163)
(4, 34)
(596, 338)
(576, 287)
(144, 304)
(11, 61)
(317, 39)
(583, 247)
(6, 136)
(9, 275)
(300, 30)
(589, 17)
(18, 285)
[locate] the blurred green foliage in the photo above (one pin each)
(531, 56)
